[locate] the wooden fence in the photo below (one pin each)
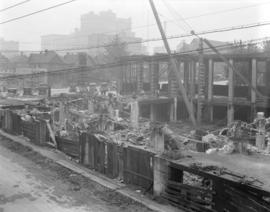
(100, 155)
(69, 147)
(132, 164)
(138, 167)
(35, 130)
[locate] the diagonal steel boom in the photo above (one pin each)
(174, 66)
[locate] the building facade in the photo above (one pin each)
(95, 30)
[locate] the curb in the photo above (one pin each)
(61, 159)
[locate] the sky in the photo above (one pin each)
(64, 19)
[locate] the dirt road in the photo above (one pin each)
(31, 183)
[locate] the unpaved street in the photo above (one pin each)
(43, 186)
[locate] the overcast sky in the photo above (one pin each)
(65, 19)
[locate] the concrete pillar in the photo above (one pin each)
(122, 79)
(230, 106)
(153, 115)
(61, 114)
(154, 77)
(254, 84)
(173, 110)
(201, 83)
(160, 175)
(134, 115)
(173, 85)
(186, 75)
(192, 81)
(139, 77)
(158, 140)
(210, 89)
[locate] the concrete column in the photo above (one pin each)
(160, 175)
(230, 106)
(154, 77)
(156, 141)
(173, 86)
(201, 87)
(192, 82)
(61, 114)
(153, 115)
(186, 75)
(254, 84)
(210, 89)
(173, 110)
(134, 115)
(139, 77)
(122, 79)
(158, 138)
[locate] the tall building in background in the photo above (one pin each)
(95, 30)
(9, 48)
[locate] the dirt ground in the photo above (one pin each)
(31, 182)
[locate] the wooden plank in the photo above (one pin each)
(191, 197)
(186, 203)
(189, 187)
(260, 204)
(137, 169)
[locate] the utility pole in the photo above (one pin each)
(174, 66)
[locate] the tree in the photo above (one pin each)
(266, 46)
(240, 48)
(115, 49)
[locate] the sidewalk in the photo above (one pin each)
(61, 159)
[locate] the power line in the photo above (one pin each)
(84, 69)
(224, 11)
(15, 5)
(172, 10)
(186, 18)
(239, 27)
(39, 11)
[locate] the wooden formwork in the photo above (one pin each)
(99, 155)
(69, 147)
(138, 167)
(36, 131)
(219, 195)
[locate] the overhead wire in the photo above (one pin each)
(117, 64)
(14, 5)
(239, 27)
(186, 18)
(36, 12)
(176, 14)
